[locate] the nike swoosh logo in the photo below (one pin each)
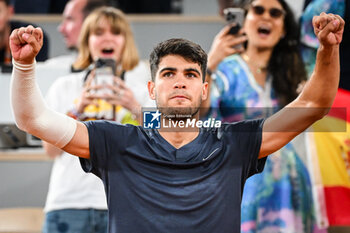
(210, 154)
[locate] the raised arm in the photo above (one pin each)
(317, 97)
(30, 111)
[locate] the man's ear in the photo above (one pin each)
(151, 91)
(205, 91)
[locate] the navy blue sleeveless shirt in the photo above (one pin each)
(153, 187)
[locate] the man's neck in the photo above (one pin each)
(178, 136)
(178, 139)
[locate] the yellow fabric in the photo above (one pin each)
(333, 149)
(100, 109)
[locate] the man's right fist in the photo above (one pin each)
(25, 44)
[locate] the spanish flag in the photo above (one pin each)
(329, 150)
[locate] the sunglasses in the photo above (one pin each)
(274, 12)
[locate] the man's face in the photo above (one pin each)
(5, 14)
(178, 86)
(72, 21)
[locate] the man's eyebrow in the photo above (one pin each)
(168, 69)
(193, 70)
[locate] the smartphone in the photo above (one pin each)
(105, 71)
(234, 16)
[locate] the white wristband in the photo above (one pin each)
(23, 67)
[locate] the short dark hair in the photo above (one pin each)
(91, 5)
(187, 49)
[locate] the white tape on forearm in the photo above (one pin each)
(30, 111)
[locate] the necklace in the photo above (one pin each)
(259, 68)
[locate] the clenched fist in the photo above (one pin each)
(25, 44)
(328, 28)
